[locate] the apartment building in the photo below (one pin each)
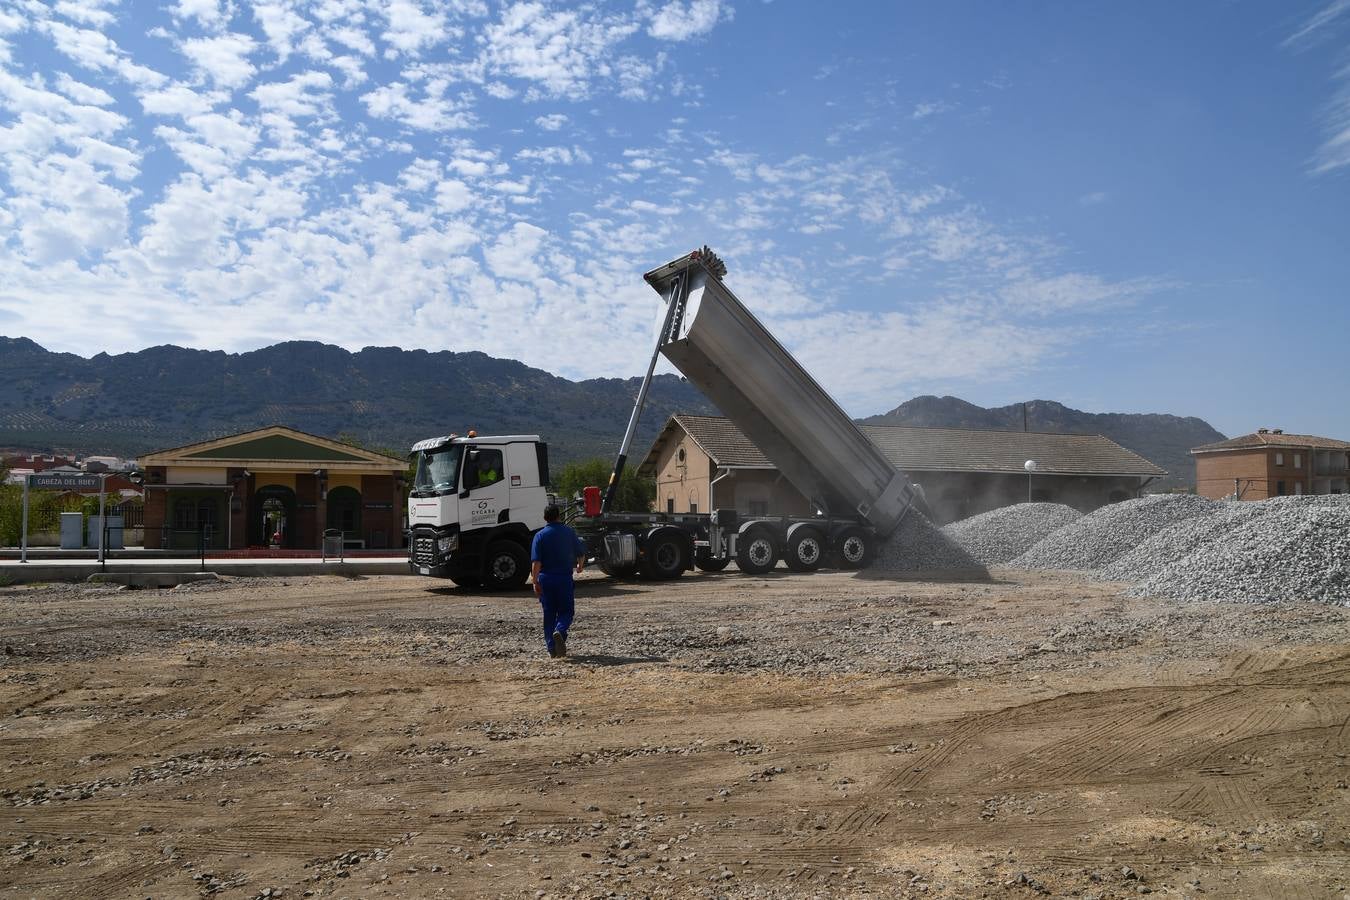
(1269, 463)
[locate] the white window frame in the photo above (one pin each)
(1279, 459)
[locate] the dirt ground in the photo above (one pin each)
(780, 736)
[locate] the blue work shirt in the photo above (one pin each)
(556, 548)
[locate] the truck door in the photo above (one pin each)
(487, 487)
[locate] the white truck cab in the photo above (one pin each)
(475, 504)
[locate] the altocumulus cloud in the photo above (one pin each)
(461, 176)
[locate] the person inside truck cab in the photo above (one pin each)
(488, 467)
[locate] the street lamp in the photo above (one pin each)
(1030, 466)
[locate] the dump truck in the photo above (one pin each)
(476, 501)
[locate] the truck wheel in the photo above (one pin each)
(854, 549)
(506, 566)
(467, 581)
(805, 550)
(709, 563)
(664, 558)
(756, 553)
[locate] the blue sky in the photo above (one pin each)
(1124, 207)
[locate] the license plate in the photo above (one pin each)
(424, 570)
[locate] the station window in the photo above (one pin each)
(1279, 459)
(1298, 460)
(670, 504)
(1279, 488)
(693, 507)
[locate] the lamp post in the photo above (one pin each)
(1030, 466)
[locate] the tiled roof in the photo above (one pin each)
(937, 449)
(1271, 439)
(723, 441)
(967, 450)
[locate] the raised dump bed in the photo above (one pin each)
(722, 348)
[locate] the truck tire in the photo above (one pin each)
(756, 552)
(710, 563)
(506, 565)
(664, 558)
(854, 549)
(465, 580)
(805, 550)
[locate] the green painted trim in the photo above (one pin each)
(277, 447)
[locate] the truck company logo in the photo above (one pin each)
(483, 511)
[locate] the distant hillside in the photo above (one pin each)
(167, 396)
(1162, 439)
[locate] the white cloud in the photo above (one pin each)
(512, 256)
(559, 50)
(90, 12)
(304, 95)
(551, 122)
(1334, 153)
(175, 100)
(81, 92)
(224, 58)
(210, 13)
(559, 156)
(679, 21)
(932, 108)
(410, 28)
(430, 112)
(281, 24)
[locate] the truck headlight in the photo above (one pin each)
(448, 544)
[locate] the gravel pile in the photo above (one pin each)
(1178, 542)
(920, 546)
(997, 536)
(1100, 538)
(1298, 549)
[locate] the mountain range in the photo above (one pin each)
(387, 397)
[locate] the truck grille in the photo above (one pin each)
(424, 550)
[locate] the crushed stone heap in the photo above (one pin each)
(1100, 538)
(920, 546)
(995, 537)
(1297, 549)
(1162, 550)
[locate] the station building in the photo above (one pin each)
(701, 463)
(273, 487)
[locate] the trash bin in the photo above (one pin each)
(332, 543)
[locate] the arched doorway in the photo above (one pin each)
(344, 512)
(273, 513)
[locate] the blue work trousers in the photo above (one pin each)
(559, 601)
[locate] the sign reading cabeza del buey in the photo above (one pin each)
(63, 481)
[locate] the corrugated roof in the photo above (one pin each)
(1258, 440)
(936, 449)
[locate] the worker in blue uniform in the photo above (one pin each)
(555, 553)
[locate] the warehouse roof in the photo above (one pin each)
(968, 450)
(930, 449)
(1267, 438)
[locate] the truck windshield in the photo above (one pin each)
(437, 470)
